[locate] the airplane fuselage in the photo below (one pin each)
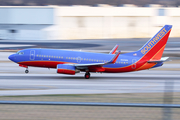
(50, 58)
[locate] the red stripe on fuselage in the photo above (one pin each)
(47, 64)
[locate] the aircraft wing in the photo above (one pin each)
(112, 61)
(163, 59)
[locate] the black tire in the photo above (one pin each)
(87, 75)
(26, 71)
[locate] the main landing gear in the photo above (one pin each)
(87, 75)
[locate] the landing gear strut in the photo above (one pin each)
(87, 75)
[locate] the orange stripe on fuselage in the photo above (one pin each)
(158, 55)
(146, 66)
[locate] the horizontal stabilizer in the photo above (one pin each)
(163, 59)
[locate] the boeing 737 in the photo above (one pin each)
(72, 62)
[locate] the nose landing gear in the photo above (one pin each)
(26, 71)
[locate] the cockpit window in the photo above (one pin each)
(20, 53)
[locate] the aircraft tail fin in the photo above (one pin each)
(154, 48)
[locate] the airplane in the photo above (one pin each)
(72, 62)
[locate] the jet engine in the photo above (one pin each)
(66, 69)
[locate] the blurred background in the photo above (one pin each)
(87, 20)
(93, 26)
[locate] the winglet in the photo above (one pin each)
(113, 60)
(113, 51)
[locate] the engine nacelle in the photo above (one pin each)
(66, 69)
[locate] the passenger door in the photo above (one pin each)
(32, 54)
(134, 64)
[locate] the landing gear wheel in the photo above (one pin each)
(26, 71)
(87, 75)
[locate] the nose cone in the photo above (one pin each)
(11, 57)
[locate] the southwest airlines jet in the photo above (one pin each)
(72, 62)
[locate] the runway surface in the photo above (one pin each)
(36, 84)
